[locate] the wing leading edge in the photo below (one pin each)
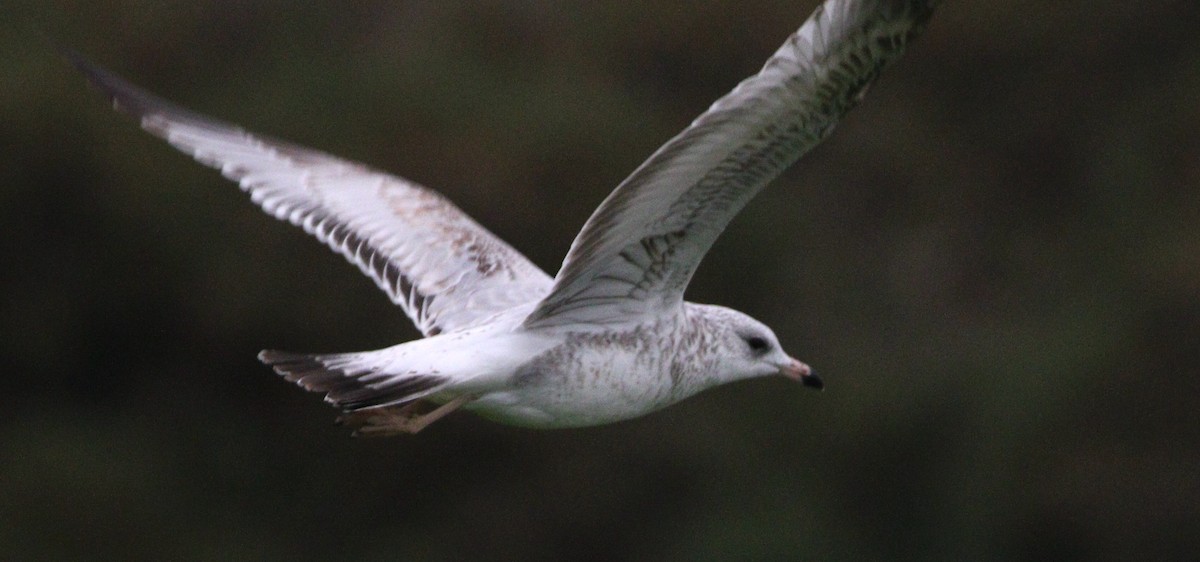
(441, 267)
(638, 251)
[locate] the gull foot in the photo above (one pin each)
(397, 420)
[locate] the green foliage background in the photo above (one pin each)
(994, 263)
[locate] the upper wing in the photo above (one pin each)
(637, 252)
(446, 271)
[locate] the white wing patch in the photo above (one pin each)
(638, 251)
(445, 270)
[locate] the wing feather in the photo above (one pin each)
(441, 267)
(638, 251)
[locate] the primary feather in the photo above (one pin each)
(638, 251)
(444, 270)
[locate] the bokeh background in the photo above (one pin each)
(994, 263)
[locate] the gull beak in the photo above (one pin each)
(801, 373)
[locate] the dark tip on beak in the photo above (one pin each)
(811, 380)
(803, 374)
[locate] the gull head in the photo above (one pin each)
(749, 349)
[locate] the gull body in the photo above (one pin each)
(559, 377)
(609, 337)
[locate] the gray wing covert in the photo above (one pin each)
(441, 267)
(638, 251)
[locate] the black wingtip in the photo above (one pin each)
(132, 100)
(72, 56)
(124, 95)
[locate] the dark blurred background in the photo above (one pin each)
(994, 263)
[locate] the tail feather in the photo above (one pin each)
(351, 381)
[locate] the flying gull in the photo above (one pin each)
(609, 337)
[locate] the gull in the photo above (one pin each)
(610, 337)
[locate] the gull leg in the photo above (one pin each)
(418, 423)
(384, 422)
(377, 421)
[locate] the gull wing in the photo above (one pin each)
(638, 251)
(445, 270)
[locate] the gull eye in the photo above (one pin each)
(757, 344)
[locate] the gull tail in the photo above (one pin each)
(353, 381)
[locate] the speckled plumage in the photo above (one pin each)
(610, 337)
